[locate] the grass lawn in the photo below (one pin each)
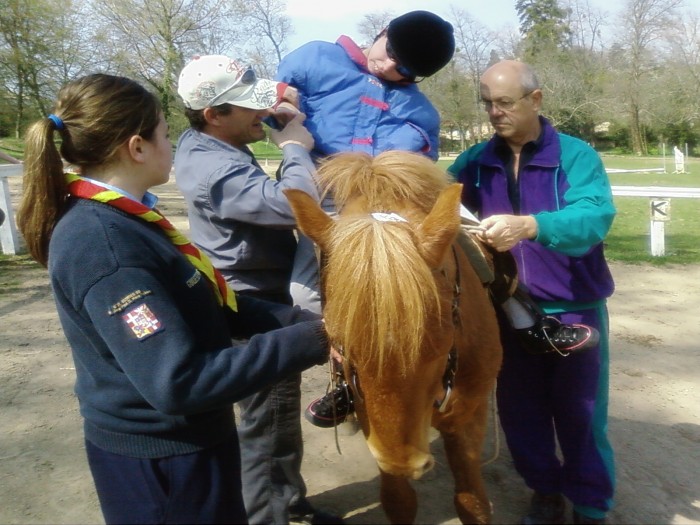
(629, 239)
(263, 149)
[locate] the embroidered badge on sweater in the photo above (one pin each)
(142, 321)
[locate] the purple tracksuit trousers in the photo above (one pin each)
(549, 400)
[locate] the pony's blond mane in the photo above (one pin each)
(388, 182)
(380, 291)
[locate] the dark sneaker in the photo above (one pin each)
(550, 335)
(546, 509)
(587, 520)
(314, 517)
(331, 409)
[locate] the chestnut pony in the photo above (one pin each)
(412, 318)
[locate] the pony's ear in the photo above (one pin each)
(440, 227)
(311, 219)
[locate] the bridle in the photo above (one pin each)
(450, 373)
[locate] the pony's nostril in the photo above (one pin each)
(422, 468)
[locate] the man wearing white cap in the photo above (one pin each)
(241, 219)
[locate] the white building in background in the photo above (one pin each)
(469, 135)
(603, 127)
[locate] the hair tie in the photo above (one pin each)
(57, 122)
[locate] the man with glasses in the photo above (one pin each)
(545, 197)
(241, 219)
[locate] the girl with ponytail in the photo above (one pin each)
(148, 319)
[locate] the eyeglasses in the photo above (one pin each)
(502, 105)
(400, 68)
(246, 78)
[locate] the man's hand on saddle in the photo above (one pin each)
(502, 232)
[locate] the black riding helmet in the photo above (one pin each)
(421, 41)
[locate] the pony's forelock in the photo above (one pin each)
(383, 291)
(382, 295)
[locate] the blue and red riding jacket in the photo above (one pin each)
(349, 109)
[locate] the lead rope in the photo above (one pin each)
(496, 433)
(332, 382)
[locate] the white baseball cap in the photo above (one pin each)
(212, 80)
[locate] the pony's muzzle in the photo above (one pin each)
(418, 464)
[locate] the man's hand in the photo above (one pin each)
(293, 133)
(502, 232)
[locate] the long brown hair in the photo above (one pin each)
(94, 116)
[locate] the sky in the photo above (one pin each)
(328, 19)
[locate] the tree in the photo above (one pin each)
(543, 26)
(573, 74)
(41, 48)
(373, 24)
(154, 46)
(267, 29)
(682, 104)
(643, 22)
(474, 43)
(453, 95)
(585, 25)
(572, 91)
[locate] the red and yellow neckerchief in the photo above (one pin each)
(84, 189)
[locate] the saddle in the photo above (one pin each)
(495, 269)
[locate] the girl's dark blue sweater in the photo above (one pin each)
(156, 368)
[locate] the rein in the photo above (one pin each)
(451, 367)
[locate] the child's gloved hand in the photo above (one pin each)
(293, 133)
(283, 114)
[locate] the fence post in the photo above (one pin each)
(9, 238)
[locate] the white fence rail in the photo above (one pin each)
(659, 209)
(656, 191)
(11, 241)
